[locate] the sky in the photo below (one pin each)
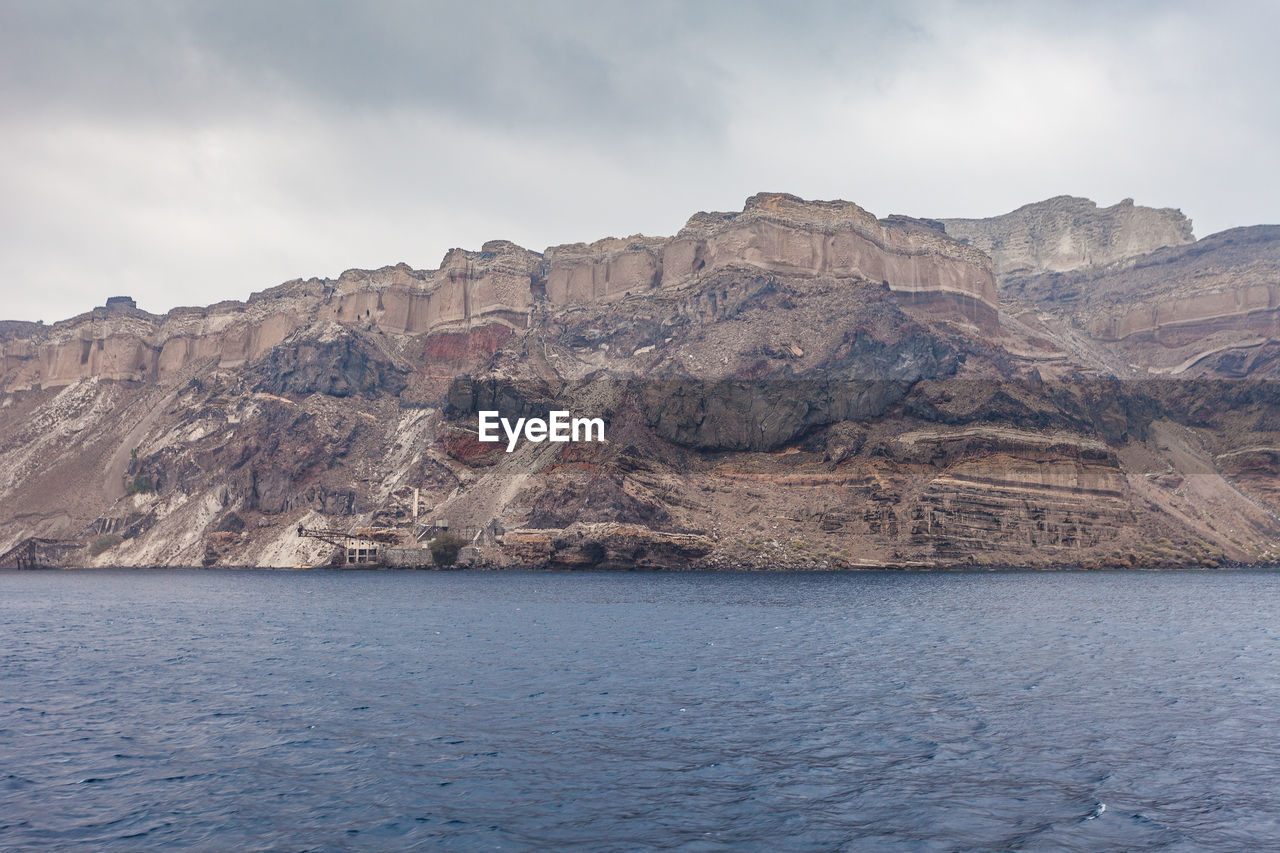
(189, 152)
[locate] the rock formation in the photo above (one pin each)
(1067, 233)
(798, 384)
(500, 284)
(1210, 308)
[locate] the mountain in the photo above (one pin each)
(1067, 233)
(797, 384)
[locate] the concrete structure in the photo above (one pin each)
(362, 552)
(407, 558)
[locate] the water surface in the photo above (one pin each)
(507, 711)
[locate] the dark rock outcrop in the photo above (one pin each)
(336, 362)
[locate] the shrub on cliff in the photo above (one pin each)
(102, 543)
(141, 483)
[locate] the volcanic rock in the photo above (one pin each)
(796, 384)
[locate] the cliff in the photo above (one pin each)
(797, 384)
(1210, 308)
(1067, 233)
(499, 285)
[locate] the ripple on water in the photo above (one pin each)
(330, 711)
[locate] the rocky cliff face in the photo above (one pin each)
(1209, 308)
(1126, 291)
(1067, 233)
(501, 284)
(795, 384)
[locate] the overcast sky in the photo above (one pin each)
(187, 152)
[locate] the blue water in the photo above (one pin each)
(493, 711)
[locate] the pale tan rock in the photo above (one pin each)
(501, 283)
(783, 233)
(1067, 233)
(604, 269)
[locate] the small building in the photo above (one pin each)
(362, 552)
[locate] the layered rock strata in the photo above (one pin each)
(798, 384)
(1207, 308)
(501, 284)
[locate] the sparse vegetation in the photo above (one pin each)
(445, 548)
(141, 484)
(103, 543)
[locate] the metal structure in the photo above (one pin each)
(385, 535)
(360, 546)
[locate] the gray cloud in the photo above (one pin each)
(594, 66)
(186, 152)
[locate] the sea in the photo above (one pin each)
(375, 710)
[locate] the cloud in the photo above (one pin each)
(590, 66)
(185, 152)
